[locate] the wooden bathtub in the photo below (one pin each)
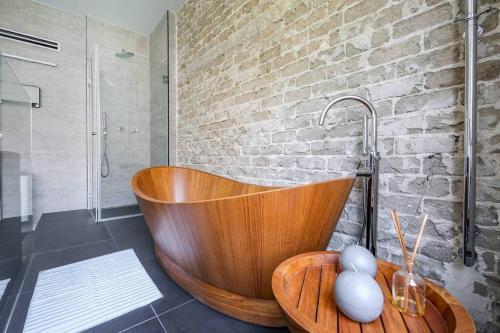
(221, 240)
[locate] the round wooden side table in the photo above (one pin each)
(303, 287)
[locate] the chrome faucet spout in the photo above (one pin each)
(367, 104)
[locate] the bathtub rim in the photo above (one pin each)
(138, 192)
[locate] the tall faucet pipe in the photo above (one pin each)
(370, 185)
(365, 103)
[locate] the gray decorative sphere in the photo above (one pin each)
(358, 296)
(359, 257)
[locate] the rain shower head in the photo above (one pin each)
(124, 54)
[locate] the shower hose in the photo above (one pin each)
(104, 161)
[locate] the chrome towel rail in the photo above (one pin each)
(472, 32)
(13, 56)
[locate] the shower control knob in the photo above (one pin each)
(120, 128)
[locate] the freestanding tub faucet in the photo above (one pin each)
(370, 173)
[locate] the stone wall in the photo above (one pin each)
(253, 77)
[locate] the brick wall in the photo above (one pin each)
(253, 77)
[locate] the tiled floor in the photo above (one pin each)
(66, 237)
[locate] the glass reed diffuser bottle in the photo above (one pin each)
(408, 290)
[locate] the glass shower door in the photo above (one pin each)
(121, 127)
(15, 182)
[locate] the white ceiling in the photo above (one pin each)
(137, 15)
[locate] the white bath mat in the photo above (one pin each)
(3, 286)
(79, 296)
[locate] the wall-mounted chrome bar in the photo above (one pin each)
(472, 32)
(470, 134)
(13, 56)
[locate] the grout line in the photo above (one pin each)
(72, 246)
(157, 316)
(148, 258)
(176, 307)
(111, 234)
(26, 292)
(10, 259)
(163, 327)
(142, 322)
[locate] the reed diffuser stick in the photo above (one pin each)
(402, 243)
(399, 232)
(408, 261)
(414, 254)
(419, 238)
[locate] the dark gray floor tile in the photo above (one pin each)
(196, 317)
(66, 229)
(20, 312)
(141, 243)
(127, 227)
(123, 322)
(13, 270)
(10, 238)
(150, 326)
(9, 269)
(16, 285)
(132, 233)
(58, 258)
(173, 295)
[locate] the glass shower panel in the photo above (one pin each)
(93, 102)
(128, 112)
(124, 131)
(15, 180)
(159, 78)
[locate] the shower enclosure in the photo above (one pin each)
(15, 183)
(125, 132)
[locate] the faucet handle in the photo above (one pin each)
(362, 170)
